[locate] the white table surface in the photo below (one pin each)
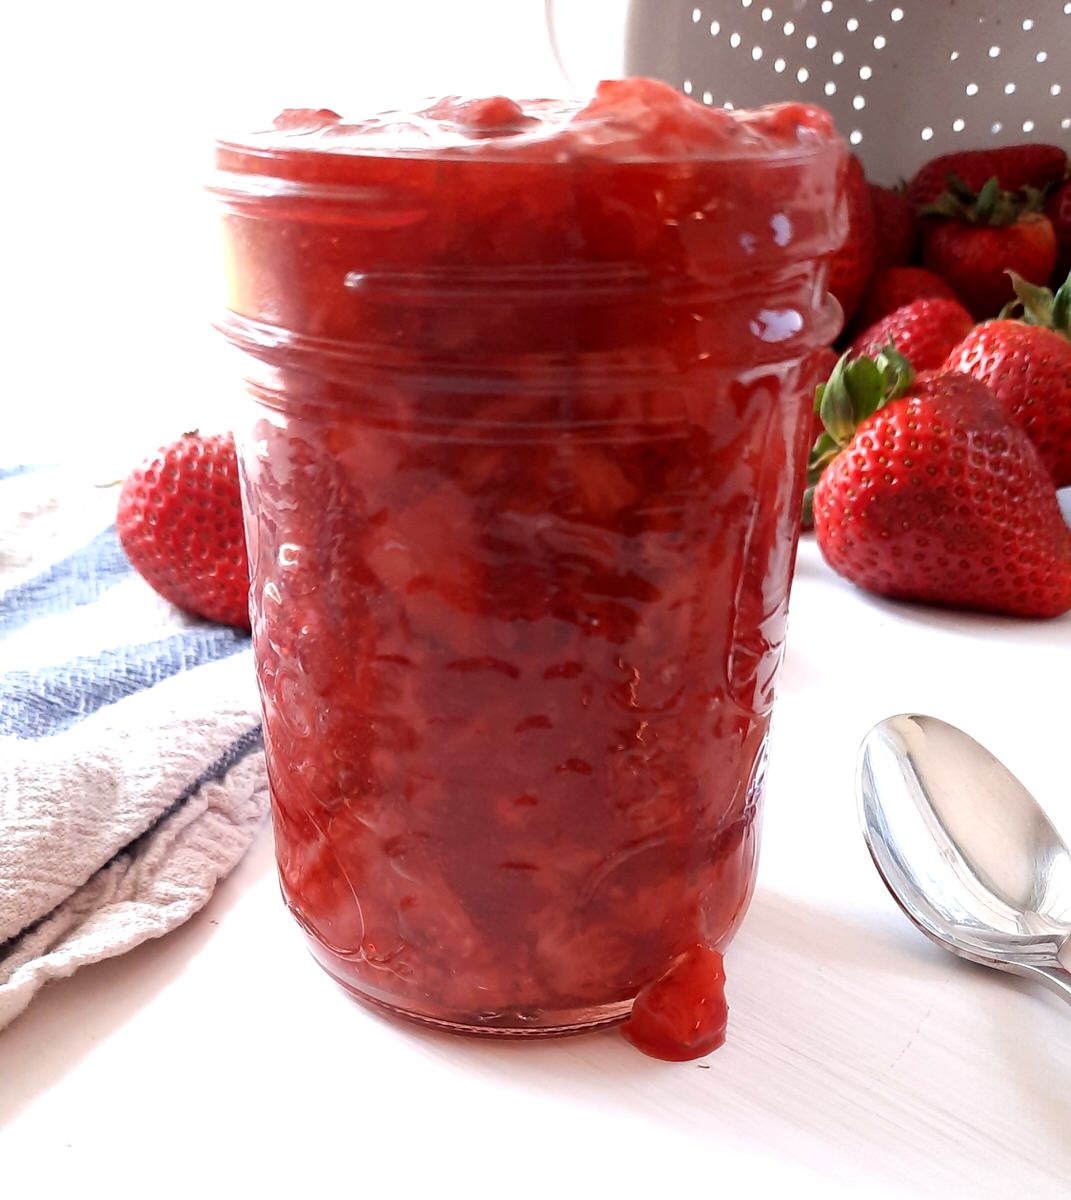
(861, 1060)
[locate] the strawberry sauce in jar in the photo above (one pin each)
(522, 480)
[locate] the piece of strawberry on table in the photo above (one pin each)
(1026, 364)
(1035, 165)
(972, 241)
(929, 493)
(1058, 210)
(893, 288)
(682, 1015)
(852, 265)
(895, 232)
(180, 522)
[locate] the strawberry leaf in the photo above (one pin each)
(1034, 305)
(823, 452)
(866, 386)
(988, 198)
(835, 403)
(989, 206)
(899, 374)
(946, 205)
(958, 190)
(807, 515)
(1061, 308)
(857, 388)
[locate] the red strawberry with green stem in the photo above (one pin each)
(180, 523)
(975, 239)
(1035, 165)
(923, 331)
(1026, 364)
(853, 384)
(929, 493)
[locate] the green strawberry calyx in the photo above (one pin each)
(856, 388)
(1034, 305)
(990, 205)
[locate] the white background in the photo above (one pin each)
(108, 269)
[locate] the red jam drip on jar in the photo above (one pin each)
(522, 487)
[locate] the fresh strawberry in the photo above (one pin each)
(924, 332)
(894, 227)
(842, 400)
(929, 493)
(1034, 165)
(852, 265)
(180, 523)
(1026, 364)
(895, 287)
(975, 240)
(1058, 210)
(683, 1014)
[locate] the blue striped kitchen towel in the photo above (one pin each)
(131, 769)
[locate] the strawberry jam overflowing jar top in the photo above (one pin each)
(522, 479)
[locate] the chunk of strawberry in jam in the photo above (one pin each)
(683, 1014)
(495, 114)
(292, 120)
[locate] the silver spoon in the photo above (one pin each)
(965, 849)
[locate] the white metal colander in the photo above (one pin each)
(904, 80)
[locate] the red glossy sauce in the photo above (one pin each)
(522, 496)
(683, 1014)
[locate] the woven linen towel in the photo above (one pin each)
(131, 770)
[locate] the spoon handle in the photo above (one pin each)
(1058, 978)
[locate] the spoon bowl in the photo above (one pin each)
(965, 849)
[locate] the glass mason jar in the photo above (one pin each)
(522, 480)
